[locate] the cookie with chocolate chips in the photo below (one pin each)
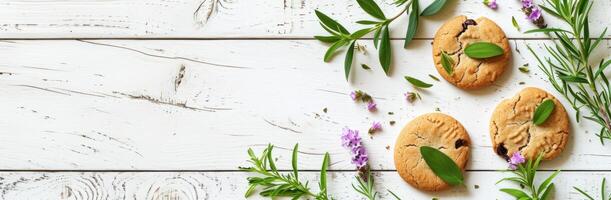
(512, 129)
(469, 73)
(435, 130)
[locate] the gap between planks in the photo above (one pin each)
(233, 170)
(227, 38)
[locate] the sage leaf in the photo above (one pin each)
(385, 50)
(435, 7)
(480, 50)
(412, 27)
(447, 63)
(331, 51)
(417, 83)
(371, 8)
(330, 23)
(543, 111)
(348, 60)
(515, 23)
(442, 165)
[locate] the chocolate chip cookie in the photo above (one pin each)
(435, 130)
(469, 73)
(512, 129)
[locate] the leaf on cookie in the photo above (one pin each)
(479, 50)
(442, 165)
(543, 111)
(447, 63)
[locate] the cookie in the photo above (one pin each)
(435, 130)
(470, 73)
(512, 129)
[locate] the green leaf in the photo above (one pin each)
(394, 195)
(365, 66)
(385, 50)
(327, 39)
(376, 37)
(547, 192)
(583, 193)
(360, 33)
(433, 77)
(323, 173)
(546, 30)
(447, 63)
(331, 51)
(547, 182)
(371, 8)
(294, 161)
(601, 68)
(543, 111)
(250, 190)
(330, 23)
(348, 60)
(435, 7)
(480, 50)
(412, 27)
(514, 192)
(417, 83)
(367, 22)
(574, 79)
(515, 23)
(442, 165)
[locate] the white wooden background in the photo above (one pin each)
(159, 99)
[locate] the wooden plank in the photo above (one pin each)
(232, 185)
(200, 104)
(235, 19)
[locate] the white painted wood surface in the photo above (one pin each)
(170, 114)
(234, 18)
(230, 185)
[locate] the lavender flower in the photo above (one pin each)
(371, 106)
(491, 4)
(376, 126)
(352, 140)
(515, 160)
(533, 13)
(411, 96)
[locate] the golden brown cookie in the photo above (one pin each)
(435, 130)
(511, 127)
(470, 73)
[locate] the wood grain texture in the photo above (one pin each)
(189, 105)
(232, 185)
(235, 18)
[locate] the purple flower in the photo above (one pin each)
(535, 14)
(527, 3)
(376, 126)
(491, 4)
(371, 106)
(350, 138)
(352, 141)
(411, 96)
(353, 95)
(515, 160)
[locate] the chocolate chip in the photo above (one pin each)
(460, 143)
(502, 151)
(467, 23)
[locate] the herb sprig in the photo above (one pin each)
(568, 69)
(525, 176)
(340, 37)
(602, 192)
(275, 184)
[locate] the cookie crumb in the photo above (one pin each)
(387, 147)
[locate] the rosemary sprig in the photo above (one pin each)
(568, 68)
(340, 37)
(525, 176)
(366, 188)
(275, 184)
(602, 192)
